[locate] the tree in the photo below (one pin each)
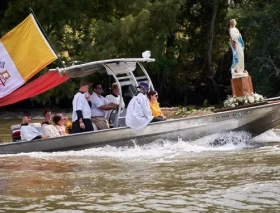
(187, 38)
(260, 29)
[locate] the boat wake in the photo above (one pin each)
(229, 141)
(208, 145)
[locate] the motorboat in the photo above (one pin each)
(128, 72)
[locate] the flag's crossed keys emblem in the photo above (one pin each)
(3, 75)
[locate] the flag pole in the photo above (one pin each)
(46, 37)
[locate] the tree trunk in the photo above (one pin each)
(211, 38)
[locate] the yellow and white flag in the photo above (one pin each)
(24, 51)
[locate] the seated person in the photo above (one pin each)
(28, 132)
(68, 125)
(47, 120)
(99, 106)
(114, 97)
(139, 114)
(154, 105)
(59, 124)
(51, 131)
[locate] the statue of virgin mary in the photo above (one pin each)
(237, 47)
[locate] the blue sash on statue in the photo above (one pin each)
(241, 42)
(234, 56)
(234, 53)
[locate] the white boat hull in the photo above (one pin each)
(254, 120)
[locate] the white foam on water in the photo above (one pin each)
(157, 149)
(272, 135)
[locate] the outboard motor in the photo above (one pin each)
(15, 133)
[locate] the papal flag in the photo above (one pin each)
(24, 51)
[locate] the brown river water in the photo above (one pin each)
(164, 176)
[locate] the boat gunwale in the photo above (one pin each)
(156, 123)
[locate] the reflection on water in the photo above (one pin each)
(163, 176)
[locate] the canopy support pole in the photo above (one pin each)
(116, 121)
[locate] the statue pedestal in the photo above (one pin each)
(242, 86)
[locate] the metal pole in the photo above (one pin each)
(146, 73)
(116, 121)
(46, 37)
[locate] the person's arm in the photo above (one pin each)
(90, 104)
(38, 134)
(37, 137)
(162, 115)
(40, 137)
(79, 106)
(106, 108)
(112, 104)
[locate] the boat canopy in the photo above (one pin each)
(121, 69)
(111, 66)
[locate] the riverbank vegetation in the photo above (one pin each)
(188, 38)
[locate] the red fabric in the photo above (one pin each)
(36, 87)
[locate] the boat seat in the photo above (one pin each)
(15, 131)
(94, 127)
(121, 118)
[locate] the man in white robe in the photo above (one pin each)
(139, 114)
(28, 132)
(81, 110)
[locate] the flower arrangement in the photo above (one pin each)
(191, 112)
(233, 101)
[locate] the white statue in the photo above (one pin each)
(237, 47)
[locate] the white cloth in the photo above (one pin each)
(138, 114)
(115, 100)
(96, 102)
(11, 77)
(80, 103)
(51, 131)
(28, 132)
(239, 67)
(43, 129)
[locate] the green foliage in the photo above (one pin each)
(177, 33)
(261, 27)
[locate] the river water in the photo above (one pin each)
(164, 176)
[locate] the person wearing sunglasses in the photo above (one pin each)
(154, 105)
(99, 107)
(139, 113)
